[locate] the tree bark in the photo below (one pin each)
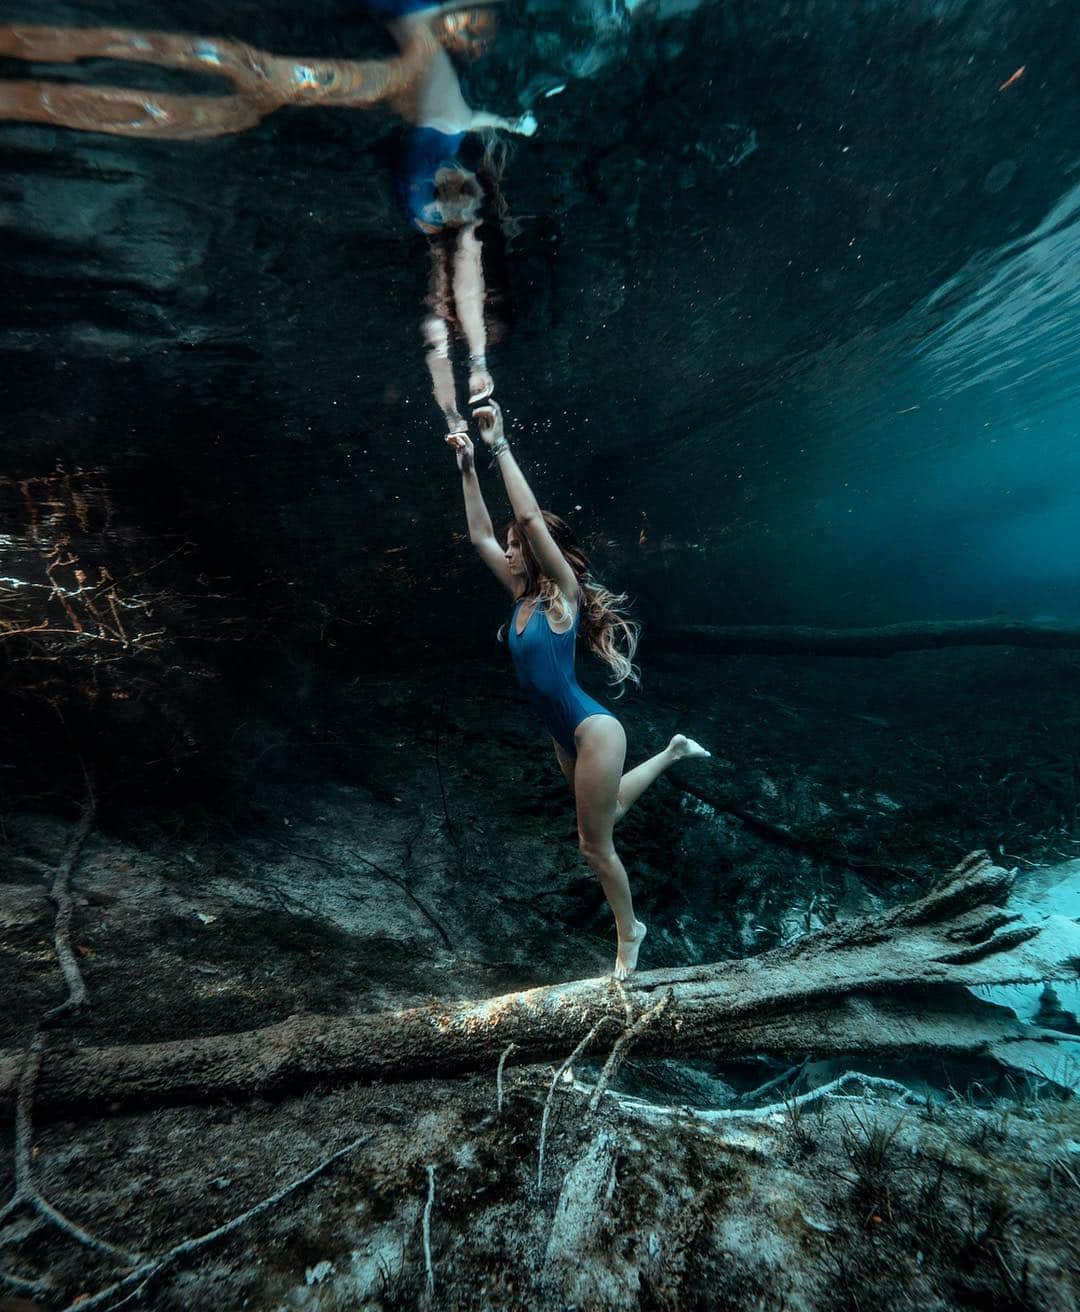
(886, 640)
(892, 984)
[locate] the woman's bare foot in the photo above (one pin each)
(682, 747)
(626, 957)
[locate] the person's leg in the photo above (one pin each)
(130, 112)
(469, 301)
(125, 112)
(437, 336)
(635, 781)
(261, 81)
(43, 44)
(601, 745)
(436, 333)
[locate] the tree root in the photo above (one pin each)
(132, 1284)
(77, 997)
(623, 1046)
(26, 1192)
(618, 1054)
(510, 1047)
(21, 1286)
(645, 1110)
(554, 1084)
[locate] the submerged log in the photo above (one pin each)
(885, 640)
(892, 984)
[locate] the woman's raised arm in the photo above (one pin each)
(525, 506)
(481, 533)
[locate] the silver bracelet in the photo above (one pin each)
(496, 451)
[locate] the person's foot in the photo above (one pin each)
(626, 957)
(682, 748)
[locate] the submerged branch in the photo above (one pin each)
(893, 984)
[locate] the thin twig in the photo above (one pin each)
(510, 1047)
(427, 1230)
(60, 894)
(604, 1020)
(623, 1045)
(154, 1265)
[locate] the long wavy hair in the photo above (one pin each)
(603, 622)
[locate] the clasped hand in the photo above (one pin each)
(489, 420)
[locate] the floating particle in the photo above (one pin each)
(1009, 81)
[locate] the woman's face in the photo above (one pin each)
(513, 554)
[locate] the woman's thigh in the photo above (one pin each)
(601, 744)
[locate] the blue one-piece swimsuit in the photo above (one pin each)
(544, 661)
(425, 152)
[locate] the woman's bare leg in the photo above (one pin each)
(124, 112)
(635, 781)
(437, 336)
(262, 82)
(469, 301)
(601, 745)
(436, 333)
(42, 44)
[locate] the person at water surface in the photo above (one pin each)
(420, 84)
(556, 599)
(443, 198)
(440, 196)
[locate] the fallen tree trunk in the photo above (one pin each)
(888, 984)
(885, 640)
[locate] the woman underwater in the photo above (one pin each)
(555, 598)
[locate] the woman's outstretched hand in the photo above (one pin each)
(463, 449)
(489, 420)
